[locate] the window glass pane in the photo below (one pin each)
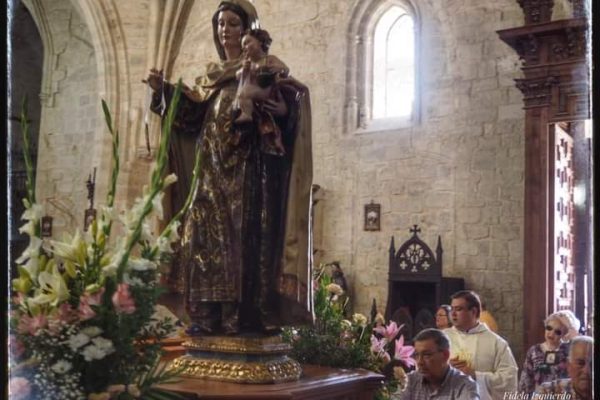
(393, 65)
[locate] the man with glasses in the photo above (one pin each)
(479, 352)
(579, 384)
(434, 377)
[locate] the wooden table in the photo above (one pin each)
(316, 383)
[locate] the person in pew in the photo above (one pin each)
(435, 378)
(442, 317)
(477, 351)
(579, 384)
(547, 361)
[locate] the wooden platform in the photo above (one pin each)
(316, 383)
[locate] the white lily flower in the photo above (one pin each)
(141, 264)
(33, 213)
(53, 288)
(29, 227)
(74, 251)
(32, 266)
(32, 250)
(157, 204)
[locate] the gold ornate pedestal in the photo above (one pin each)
(242, 359)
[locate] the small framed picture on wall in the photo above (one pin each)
(372, 217)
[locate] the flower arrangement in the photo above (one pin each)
(341, 340)
(81, 320)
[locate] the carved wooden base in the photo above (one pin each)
(316, 383)
(241, 359)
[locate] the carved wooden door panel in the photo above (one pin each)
(564, 269)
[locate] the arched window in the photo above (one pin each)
(393, 65)
(383, 66)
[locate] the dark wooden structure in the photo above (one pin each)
(316, 383)
(556, 101)
(415, 284)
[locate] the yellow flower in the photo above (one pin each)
(22, 284)
(334, 289)
(359, 319)
(52, 289)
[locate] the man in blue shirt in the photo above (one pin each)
(435, 378)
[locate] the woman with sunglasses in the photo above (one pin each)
(547, 361)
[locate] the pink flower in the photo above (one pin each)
(389, 331)
(19, 388)
(16, 347)
(65, 313)
(122, 299)
(378, 348)
(31, 325)
(404, 353)
(86, 301)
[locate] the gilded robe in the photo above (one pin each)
(246, 237)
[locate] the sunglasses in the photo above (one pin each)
(557, 332)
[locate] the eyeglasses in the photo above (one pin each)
(425, 355)
(556, 331)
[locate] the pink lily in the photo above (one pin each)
(31, 325)
(389, 331)
(122, 300)
(404, 353)
(85, 301)
(378, 348)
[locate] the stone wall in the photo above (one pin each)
(457, 173)
(70, 114)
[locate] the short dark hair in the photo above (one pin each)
(440, 338)
(471, 298)
(262, 36)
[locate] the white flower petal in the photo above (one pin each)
(33, 213)
(157, 206)
(169, 180)
(141, 264)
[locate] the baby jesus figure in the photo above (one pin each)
(258, 81)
